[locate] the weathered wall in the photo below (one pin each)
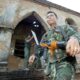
(13, 11)
(5, 41)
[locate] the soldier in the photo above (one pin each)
(61, 65)
(27, 49)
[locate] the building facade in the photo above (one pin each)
(18, 17)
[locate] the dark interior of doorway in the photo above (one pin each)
(24, 28)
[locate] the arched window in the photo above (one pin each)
(70, 21)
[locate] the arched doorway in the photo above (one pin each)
(23, 29)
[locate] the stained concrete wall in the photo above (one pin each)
(13, 11)
(5, 41)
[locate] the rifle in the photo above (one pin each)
(50, 45)
(54, 45)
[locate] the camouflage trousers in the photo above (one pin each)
(26, 54)
(60, 71)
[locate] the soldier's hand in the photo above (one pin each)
(72, 47)
(31, 59)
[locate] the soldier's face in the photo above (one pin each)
(51, 19)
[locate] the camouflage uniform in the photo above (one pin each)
(62, 66)
(26, 53)
(28, 50)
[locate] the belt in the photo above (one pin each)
(59, 60)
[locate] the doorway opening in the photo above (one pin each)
(22, 30)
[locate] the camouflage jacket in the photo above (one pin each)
(61, 33)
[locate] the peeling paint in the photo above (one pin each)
(8, 15)
(4, 51)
